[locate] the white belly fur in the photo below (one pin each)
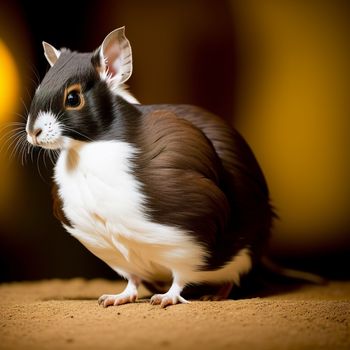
(103, 201)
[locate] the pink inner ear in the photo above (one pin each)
(111, 54)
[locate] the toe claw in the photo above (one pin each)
(118, 299)
(101, 299)
(165, 300)
(155, 300)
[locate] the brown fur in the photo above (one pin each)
(181, 175)
(231, 213)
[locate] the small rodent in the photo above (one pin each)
(164, 194)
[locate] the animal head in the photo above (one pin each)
(77, 95)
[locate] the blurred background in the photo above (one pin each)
(279, 71)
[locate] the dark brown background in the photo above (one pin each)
(278, 72)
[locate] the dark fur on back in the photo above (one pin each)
(226, 211)
(181, 176)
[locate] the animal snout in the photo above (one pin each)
(37, 132)
(44, 130)
(33, 135)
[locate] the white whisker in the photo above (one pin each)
(10, 142)
(67, 128)
(38, 165)
(25, 106)
(23, 153)
(15, 148)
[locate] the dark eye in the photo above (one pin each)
(73, 99)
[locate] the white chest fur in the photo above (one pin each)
(103, 201)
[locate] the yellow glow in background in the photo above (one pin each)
(295, 113)
(9, 85)
(292, 99)
(9, 97)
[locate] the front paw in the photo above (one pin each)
(167, 299)
(117, 299)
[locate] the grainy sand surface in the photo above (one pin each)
(58, 314)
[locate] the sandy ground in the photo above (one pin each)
(60, 314)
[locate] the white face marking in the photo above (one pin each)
(50, 136)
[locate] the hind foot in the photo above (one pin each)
(129, 295)
(117, 299)
(167, 299)
(172, 296)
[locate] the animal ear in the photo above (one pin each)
(51, 53)
(115, 57)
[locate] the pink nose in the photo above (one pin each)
(36, 134)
